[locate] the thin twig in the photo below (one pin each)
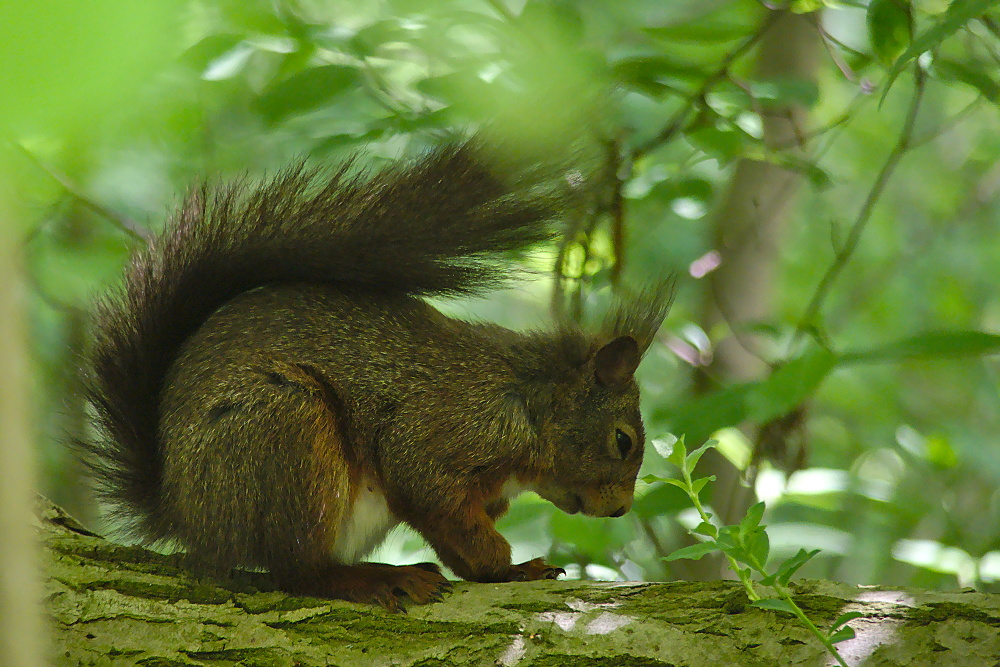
(677, 121)
(844, 68)
(843, 255)
(949, 124)
(122, 222)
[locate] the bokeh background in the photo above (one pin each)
(823, 177)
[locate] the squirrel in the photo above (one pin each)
(271, 388)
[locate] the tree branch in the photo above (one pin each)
(843, 255)
(122, 222)
(677, 121)
(124, 605)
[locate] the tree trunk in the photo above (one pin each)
(21, 635)
(113, 605)
(748, 228)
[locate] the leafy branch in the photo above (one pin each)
(677, 121)
(746, 546)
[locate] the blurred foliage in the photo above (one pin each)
(885, 372)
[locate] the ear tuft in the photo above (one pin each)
(615, 363)
(641, 316)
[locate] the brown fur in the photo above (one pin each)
(270, 364)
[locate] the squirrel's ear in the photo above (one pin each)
(641, 316)
(615, 363)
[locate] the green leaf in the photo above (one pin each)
(666, 446)
(648, 73)
(727, 543)
(693, 552)
(843, 634)
(752, 518)
(785, 92)
(699, 484)
(789, 386)
(791, 565)
(976, 77)
(725, 143)
(707, 529)
(338, 141)
(959, 13)
(692, 459)
(758, 546)
(762, 401)
(890, 28)
(201, 54)
(678, 453)
(931, 345)
(306, 91)
(845, 618)
(806, 6)
(700, 418)
(774, 604)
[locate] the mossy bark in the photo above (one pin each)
(113, 605)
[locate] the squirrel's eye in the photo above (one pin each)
(624, 442)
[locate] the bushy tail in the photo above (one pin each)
(437, 226)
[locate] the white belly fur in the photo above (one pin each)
(364, 526)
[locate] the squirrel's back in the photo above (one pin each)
(435, 226)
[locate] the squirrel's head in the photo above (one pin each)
(587, 419)
(593, 436)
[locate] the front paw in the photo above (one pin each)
(533, 570)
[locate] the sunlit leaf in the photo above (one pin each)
(666, 446)
(209, 49)
(806, 6)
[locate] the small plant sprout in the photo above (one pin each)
(746, 546)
